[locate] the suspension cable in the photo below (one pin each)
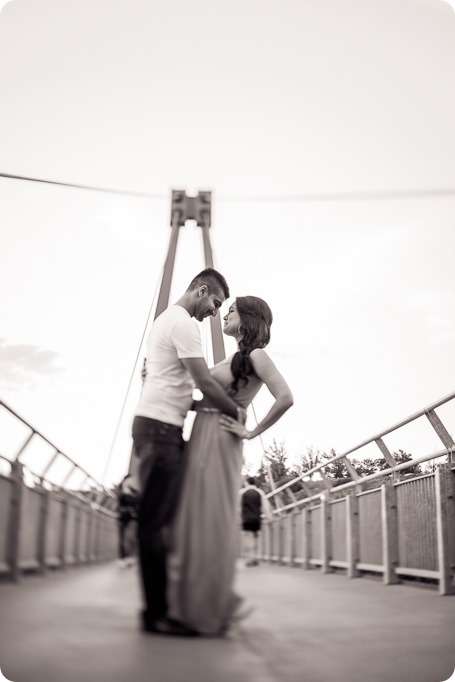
(152, 305)
(92, 188)
(367, 195)
(374, 195)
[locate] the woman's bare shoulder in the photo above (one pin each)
(259, 357)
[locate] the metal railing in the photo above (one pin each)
(47, 524)
(393, 468)
(86, 480)
(401, 528)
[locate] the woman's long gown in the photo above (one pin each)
(201, 565)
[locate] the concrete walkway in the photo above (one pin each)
(81, 626)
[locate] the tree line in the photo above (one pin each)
(276, 463)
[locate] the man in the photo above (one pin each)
(253, 506)
(174, 365)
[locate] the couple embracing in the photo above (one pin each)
(187, 525)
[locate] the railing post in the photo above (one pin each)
(352, 534)
(42, 529)
(267, 544)
(280, 552)
(306, 528)
(261, 551)
(325, 536)
(90, 532)
(389, 533)
(77, 532)
(445, 523)
(98, 530)
(63, 530)
(276, 539)
(271, 539)
(14, 524)
(104, 535)
(293, 539)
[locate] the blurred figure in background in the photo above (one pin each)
(128, 505)
(254, 506)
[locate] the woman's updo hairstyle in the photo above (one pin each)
(255, 321)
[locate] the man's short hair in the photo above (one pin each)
(213, 279)
(251, 480)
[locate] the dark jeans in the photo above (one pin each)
(159, 447)
(252, 526)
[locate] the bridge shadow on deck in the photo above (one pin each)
(82, 625)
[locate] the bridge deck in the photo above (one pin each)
(81, 626)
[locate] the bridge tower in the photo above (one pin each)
(199, 209)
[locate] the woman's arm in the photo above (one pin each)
(267, 372)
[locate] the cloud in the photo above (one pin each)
(23, 366)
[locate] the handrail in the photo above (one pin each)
(369, 477)
(57, 451)
(429, 410)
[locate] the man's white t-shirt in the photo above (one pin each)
(167, 391)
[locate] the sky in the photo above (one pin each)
(324, 131)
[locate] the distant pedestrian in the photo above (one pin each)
(128, 506)
(253, 507)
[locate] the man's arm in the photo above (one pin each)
(198, 369)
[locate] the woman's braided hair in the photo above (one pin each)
(255, 321)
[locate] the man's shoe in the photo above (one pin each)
(167, 626)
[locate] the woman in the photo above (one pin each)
(205, 533)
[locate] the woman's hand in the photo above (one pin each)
(237, 428)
